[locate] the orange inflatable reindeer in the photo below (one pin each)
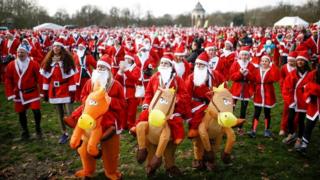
(88, 133)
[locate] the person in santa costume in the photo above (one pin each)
(199, 86)
(264, 94)
(128, 76)
(228, 57)
(22, 82)
(242, 74)
(166, 77)
(215, 63)
(84, 63)
(118, 55)
(312, 97)
(285, 71)
(58, 70)
(293, 90)
(181, 66)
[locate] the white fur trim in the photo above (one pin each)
(201, 61)
(263, 105)
(72, 88)
(11, 97)
(59, 100)
(308, 100)
(56, 43)
(301, 57)
(312, 118)
(197, 107)
(228, 42)
(129, 57)
(104, 64)
(240, 98)
(166, 60)
(29, 101)
(45, 86)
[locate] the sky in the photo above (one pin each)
(161, 7)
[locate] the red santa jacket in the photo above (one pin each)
(148, 64)
(182, 106)
(115, 115)
(284, 72)
(228, 57)
(86, 64)
(10, 47)
(118, 56)
(185, 69)
(312, 96)
(200, 94)
(217, 64)
(293, 90)
(58, 84)
(264, 95)
(129, 80)
(23, 87)
(313, 44)
(242, 86)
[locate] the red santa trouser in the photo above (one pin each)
(284, 119)
(175, 124)
(20, 107)
(197, 118)
(79, 89)
(130, 121)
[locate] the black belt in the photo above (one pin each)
(28, 90)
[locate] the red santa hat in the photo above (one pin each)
(147, 38)
(105, 60)
(129, 55)
(180, 51)
(245, 50)
(210, 45)
(303, 55)
(59, 42)
(266, 56)
(203, 58)
(229, 41)
(167, 58)
(292, 55)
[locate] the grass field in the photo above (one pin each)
(258, 158)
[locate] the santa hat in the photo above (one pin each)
(167, 58)
(229, 41)
(180, 51)
(266, 56)
(203, 58)
(210, 45)
(24, 47)
(129, 55)
(245, 50)
(292, 55)
(59, 42)
(303, 55)
(105, 60)
(147, 38)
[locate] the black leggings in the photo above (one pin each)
(24, 123)
(267, 114)
(291, 117)
(243, 109)
(308, 129)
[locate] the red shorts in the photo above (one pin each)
(20, 107)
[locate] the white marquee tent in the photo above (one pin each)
(50, 26)
(291, 21)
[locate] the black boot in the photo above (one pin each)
(23, 122)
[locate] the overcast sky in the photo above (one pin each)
(161, 7)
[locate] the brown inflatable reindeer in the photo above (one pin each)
(154, 136)
(218, 120)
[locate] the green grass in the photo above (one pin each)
(258, 158)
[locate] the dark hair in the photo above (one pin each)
(66, 57)
(305, 68)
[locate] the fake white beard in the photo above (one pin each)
(180, 69)
(226, 52)
(165, 73)
(100, 76)
(23, 65)
(200, 76)
(143, 56)
(147, 46)
(80, 53)
(110, 42)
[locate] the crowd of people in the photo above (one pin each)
(61, 66)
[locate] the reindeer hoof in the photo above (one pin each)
(226, 157)
(210, 166)
(155, 162)
(208, 156)
(198, 164)
(142, 155)
(173, 171)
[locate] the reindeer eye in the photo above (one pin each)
(163, 101)
(92, 102)
(226, 102)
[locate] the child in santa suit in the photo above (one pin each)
(293, 90)
(312, 96)
(21, 85)
(264, 95)
(58, 70)
(128, 76)
(84, 63)
(228, 57)
(242, 75)
(285, 71)
(199, 86)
